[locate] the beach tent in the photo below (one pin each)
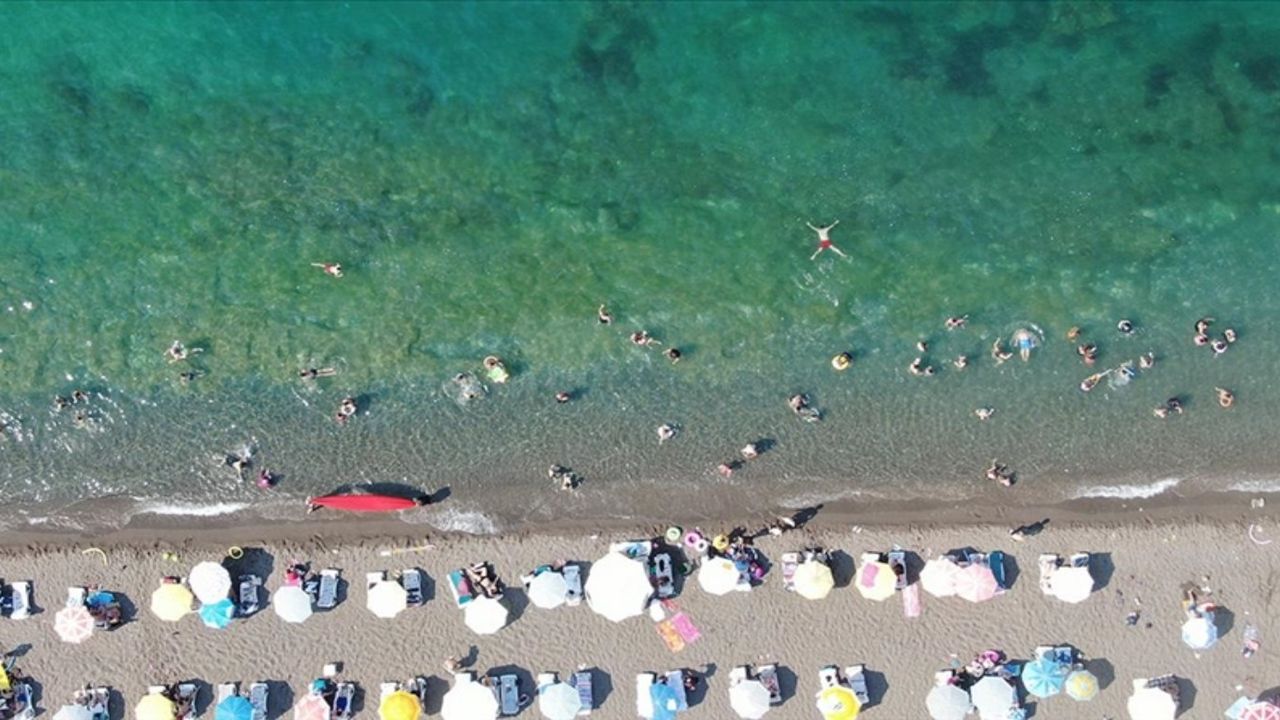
(1071, 584)
(387, 599)
(73, 712)
(73, 624)
(750, 699)
(311, 706)
(813, 580)
(171, 602)
(548, 590)
(469, 700)
(939, 577)
(235, 707)
(1260, 710)
(618, 587)
(210, 582)
(1044, 678)
(838, 703)
(559, 701)
(993, 696)
(292, 604)
(154, 706)
(485, 615)
(948, 702)
(1081, 685)
(876, 581)
(976, 583)
(217, 615)
(1149, 703)
(398, 705)
(1200, 632)
(719, 576)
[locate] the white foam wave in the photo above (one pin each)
(1255, 486)
(1128, 492)
(209, 510)
(463, 521)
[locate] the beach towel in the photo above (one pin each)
(911, 601)
(670, 635)
(683, 625)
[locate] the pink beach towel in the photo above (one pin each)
(685, 627)
(911, 600)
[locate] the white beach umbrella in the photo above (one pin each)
(993, 696)
(559, 701)
(292, 604)
(618, 587)
(750, 699)
(73, 712)
(387, 599)
(1200, 632)
(486, 615)
(548, 590)
(948, 702)
(938, 578)
(469, 700)
(719, 576)
(1071, 584)
(209, 582)
(1151, 704)
(73, 624)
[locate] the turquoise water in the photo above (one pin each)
(488, 173)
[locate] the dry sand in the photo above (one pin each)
(1149, 562)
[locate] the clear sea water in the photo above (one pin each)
(488, 173)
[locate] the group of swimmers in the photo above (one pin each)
(1000, 473)
(642, 338)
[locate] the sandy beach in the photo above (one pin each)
(1141, 567)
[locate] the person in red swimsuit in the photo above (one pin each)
(824, 240)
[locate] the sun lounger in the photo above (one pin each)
(342, 698)
(259, 694)
(856, 677)
(20, 600)
(224, 691)
(545, 679)
(738, 674)
(573, 578)
(75, 596)
(828, 677)
(386, 689)
(675, 681)
(633, 548)
(995, 561)
(411, 579)
(898, 563)
(186, 701)
(99, 700)
(373, 578)
(664, 575)
(1047, 564)
(21, 705)
(1080, 559)
(768, 677)
(790, 561)
(508, 695)
(327, 591)
(247, 602)
(418, 688)
(586, 694)
(644, 700)
(460, 584)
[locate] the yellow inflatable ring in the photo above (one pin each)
(235, 552)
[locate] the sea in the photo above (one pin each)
(489, 173)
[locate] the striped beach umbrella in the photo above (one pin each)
(1260, 710)
(1081, 685)
(235, 707)
(939, 577)
(218, 615)
(948, 702)
(976, 583)
(73, 624)
(1200, 632)
(312, 706)
(1044, 678)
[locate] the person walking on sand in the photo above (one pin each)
(824, 240)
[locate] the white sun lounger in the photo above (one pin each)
(99, 700)
(247, 599)
(22, 695)
(644, 700)
(675, 681)
(664, 575)
(346, 692)
(790, 561)
(573, 579)
(386, 689)
(411, 579)
(828, 677)
(1047, 564)
(224, 691)
(259, 697)
(856, 677)
(546, 679)
(1080, 559)
(898, 559)
(633, 548)
(739, 674)
(373, 578)
(327, 594)
(768, 677)
(76, 596)
(187, 697)
(586, 694)
(20, 600)
(508, 695)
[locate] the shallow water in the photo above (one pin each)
(489, 173)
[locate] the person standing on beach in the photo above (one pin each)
(824, 240)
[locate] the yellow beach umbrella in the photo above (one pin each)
(155, 707)
(171, 602)
(876, 581)
(838, 703)
(399, 705)
(813, 580)
(1081, 685)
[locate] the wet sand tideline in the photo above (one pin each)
(1143, 561)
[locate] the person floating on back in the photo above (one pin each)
(824, 240)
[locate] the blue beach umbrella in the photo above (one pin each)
(236, 707)
(1200, 632)
(218, 615)
(1044, 677)
(664, 701)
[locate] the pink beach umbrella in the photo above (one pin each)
(939, 577)
(312, 706)
(976, 583)
(1260, 711)
(73, 624)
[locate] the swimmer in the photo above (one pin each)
(568, 482)
(1229, 335)
(1160, 411)
(1219, 346)
(842, 361)
(1088, 353)
(348, 406)
(79, 396)
(341, 418)
(313, 373)
(1202, 325)
(1074, 332)
(563, 397)
(666, 431)
(916, 367)
(265, 479)
(1200, 339)
(176, 352)
(928, 371)
(81, 419)
(187, 376)
(824, 240)
(1147, 361)
(725, 469)
(603, 316)
(331, 269)
(60, 403)
(961, 362)
(1226, 398)
(1090, 382)
(1125, 327)
(956, 322)
(750, 451)
(495, 369)
(998, 353)
(556, 471)
(797, 402)
(984, 413)
(922, 345)
(237, 463)
(1025, 341)
(643, 339)
(1174, 405)
(673, 354)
